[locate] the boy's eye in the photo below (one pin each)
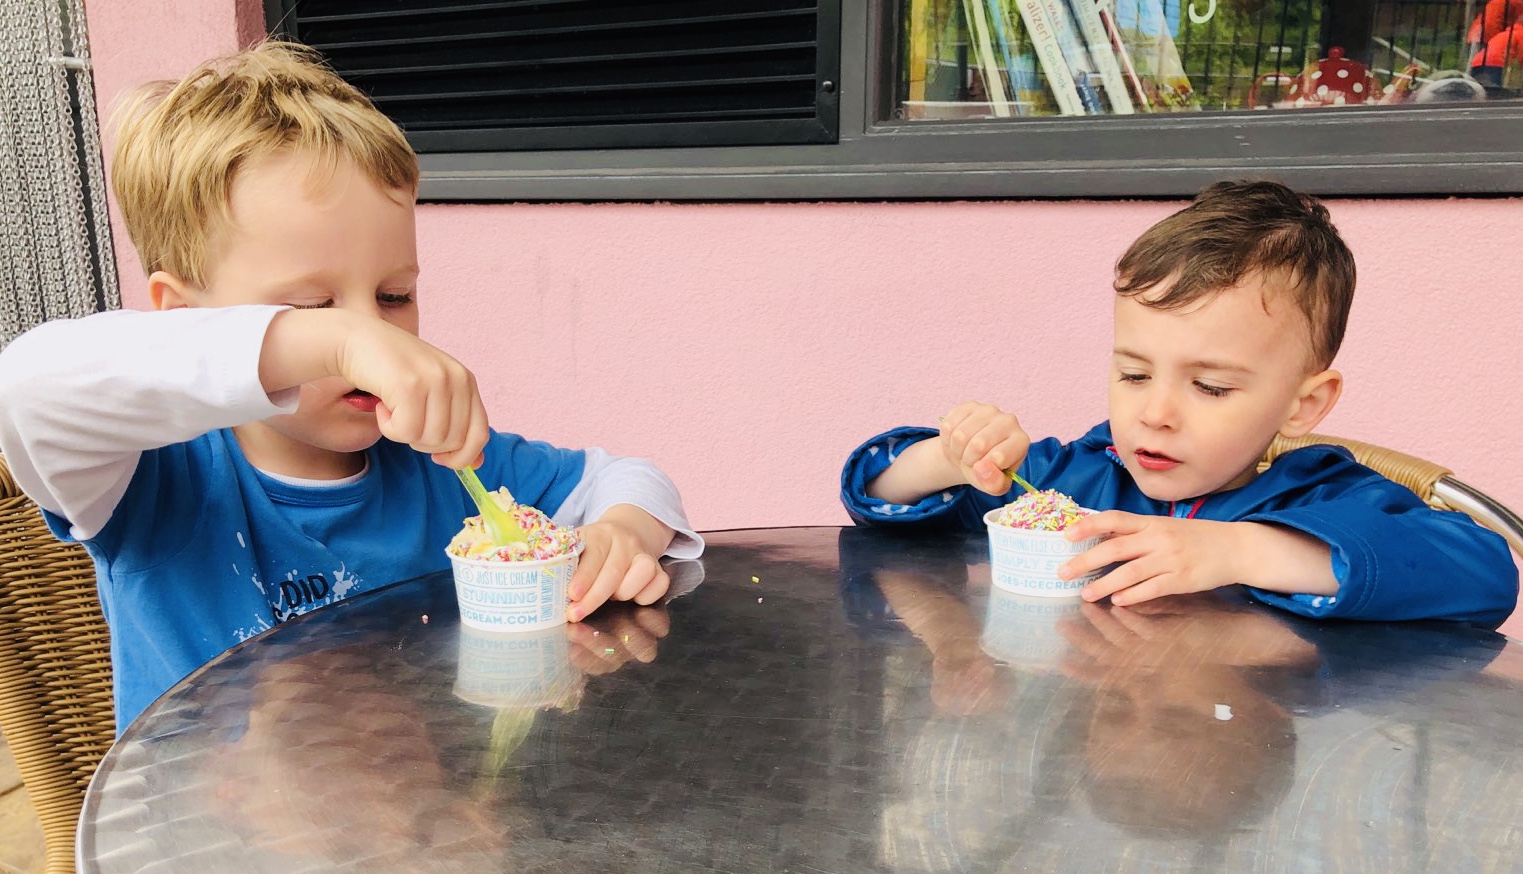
(394, 298)
(1214, 391)
(1133, 377)
(312, 306)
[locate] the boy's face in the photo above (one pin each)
(342, 241)
(1197, 394)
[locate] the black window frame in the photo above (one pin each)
(1453, 149)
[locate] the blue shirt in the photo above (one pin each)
(203, 551)
(1395, 557)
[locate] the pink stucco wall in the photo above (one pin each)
(748, 347)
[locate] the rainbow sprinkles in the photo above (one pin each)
(1047, 510)
(544, 540)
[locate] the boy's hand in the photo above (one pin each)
(1161, 555)
(428, 400)
(619, 561)
(982, 441)
(977, 443)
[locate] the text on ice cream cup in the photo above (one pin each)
(513, 595)
(1026, 562)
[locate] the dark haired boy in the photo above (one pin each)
(1227, 317)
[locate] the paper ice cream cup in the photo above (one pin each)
(513, 595)
(515, 669)
(1026, 562)
(1022, 630)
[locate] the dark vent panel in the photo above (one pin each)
(576, 74)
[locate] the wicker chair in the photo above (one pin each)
(1434, 483)
(55, 669)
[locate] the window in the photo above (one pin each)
(1040, 58)
(479, 75)
(898, 101)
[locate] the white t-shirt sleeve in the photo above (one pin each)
(81, 399)
(608, 480)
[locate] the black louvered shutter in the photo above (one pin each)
(581, 74)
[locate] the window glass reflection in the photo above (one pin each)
(963, 59)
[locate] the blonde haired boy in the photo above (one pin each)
(1227, 317)
(275, 436)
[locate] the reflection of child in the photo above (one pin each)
(1227, 317)
(261, 445)
(920, 587)
(1180, 740)
(365, 781)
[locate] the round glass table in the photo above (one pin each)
(828, 700)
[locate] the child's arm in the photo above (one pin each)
(1387, 555)
(81, 399)
(428, 399)
(977, 444)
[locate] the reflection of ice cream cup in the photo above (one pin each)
(513, 595)
(527, 670)
(1026, 562)
(1022, 630)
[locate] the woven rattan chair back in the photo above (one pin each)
(55, 668)
(1434, 483)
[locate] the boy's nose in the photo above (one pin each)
(1160, 409)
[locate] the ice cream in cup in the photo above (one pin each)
(1027, 546)
(518, 586)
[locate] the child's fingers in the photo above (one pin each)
(603, 586)
(452, 410)
(989, 478)
(654, 590)
(477, 432)
(956, 416)
(1129, 583)
(1146, 590)
(996, 438)
(1118, 549)
(641, 572)
(594, 554)
(473, 439)
(1111, 522)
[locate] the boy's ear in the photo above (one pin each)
(1315, 399)
(169, 292)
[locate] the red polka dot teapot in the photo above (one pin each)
(1332, 81)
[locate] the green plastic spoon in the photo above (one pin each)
(501, 526)
(1020, 482)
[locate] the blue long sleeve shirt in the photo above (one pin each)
(1395, 558)
(204, 552)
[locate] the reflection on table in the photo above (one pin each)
(838, 700)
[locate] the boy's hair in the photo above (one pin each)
(181, 143)
(1235, 229)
